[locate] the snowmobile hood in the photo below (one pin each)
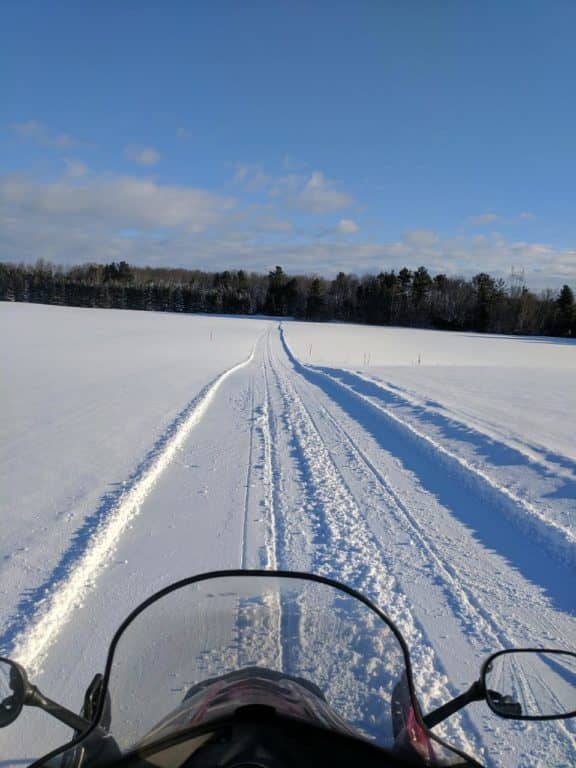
(249, 692)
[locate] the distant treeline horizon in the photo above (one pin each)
(412, 298)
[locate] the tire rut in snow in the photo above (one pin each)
(469, 603)
(252, 417)
(485, 623)
(475, 619)
(477, 603)
(558, 538)
(271, 548)
(481, 589)
(343, 546)
(473, 502)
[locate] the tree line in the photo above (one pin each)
(407, 297)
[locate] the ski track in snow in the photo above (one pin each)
(340, 484)
(28, 638)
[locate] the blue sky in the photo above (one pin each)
(317, 135)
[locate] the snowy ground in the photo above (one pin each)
(142, 448)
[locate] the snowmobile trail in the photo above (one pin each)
(279, 465)
(418, 523)
(194, 492)
(490, 438)
(244, 558)
(98, 538)
(467, 600)
(322, 528)
(480, 456)
(503, 529)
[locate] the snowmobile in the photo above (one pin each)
(273, 669)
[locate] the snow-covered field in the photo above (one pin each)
(436, 472)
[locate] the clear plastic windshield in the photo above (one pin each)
(301, 628)
(298, 627)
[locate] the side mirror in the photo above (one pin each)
(13, 687)
(530, 684)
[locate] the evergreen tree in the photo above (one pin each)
(421, 285)
(315, 301)
(485, 288)
(565, 312)
(275, 303)
(405, 298)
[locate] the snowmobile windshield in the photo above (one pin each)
(351, 657)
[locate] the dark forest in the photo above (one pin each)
(404, 298)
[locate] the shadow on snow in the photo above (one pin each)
(474, 504)
(485, 447)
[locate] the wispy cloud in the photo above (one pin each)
(75, 168)
(85, 217)
(183, 133)
(321, 195)
(420, 238)
(40, 134)
(490, 217)
(299, 220)
(310, 193)
(273, 224)
(484, 219)
(251, 176)
(107, 202)
(347, 227)
(142, 155)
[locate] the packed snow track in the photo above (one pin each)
(280, 464)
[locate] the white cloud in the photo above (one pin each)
(544, 266)
(484, 218)
(251, 176)
(103, 217)
(273, 224)
(142, 155)
(108, 202)
(285, 188)
(39, 133)
(321, 195)
(347, 227)
(75, 168)
(420, 238)
(312, 193)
